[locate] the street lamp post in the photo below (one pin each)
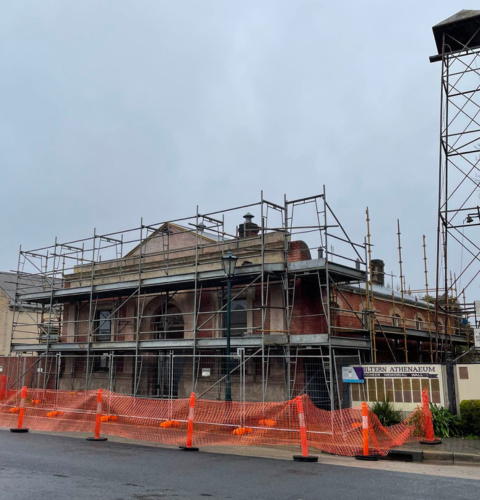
(229, 261)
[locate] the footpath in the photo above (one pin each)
(451, 450)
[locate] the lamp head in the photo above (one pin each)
(229, 261)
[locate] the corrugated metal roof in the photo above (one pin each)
(383, 291)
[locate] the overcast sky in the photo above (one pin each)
(113, 110)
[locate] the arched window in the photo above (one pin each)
(335, 314)
(169, 324)
(419, 322)
(396, 320)
(365, 319)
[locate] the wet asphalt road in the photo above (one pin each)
(43, 467)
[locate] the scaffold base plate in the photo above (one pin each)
(309, 458)
(435, 441)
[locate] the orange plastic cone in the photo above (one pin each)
(21, 412)
(98, 419)
(191, 413)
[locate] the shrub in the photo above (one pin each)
(445, 423)
(386, 413)
(470, 412)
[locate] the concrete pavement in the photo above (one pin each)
(452, 450)
(39, 466)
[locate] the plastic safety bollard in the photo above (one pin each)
(191, 412)
(20, 428)
(365, 429)
(304, 457)
(427, 415)
(98, 420)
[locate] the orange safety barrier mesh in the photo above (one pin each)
(214, 422)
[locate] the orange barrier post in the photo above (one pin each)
(214, 423)
(98, 419)
(304, 457)
(427, 416)
(20, 427)
(191, 411)
(365, 430)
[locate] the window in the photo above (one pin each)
(419, 323)
(169, 325)
(396, 320)
(103, 326)
(335, 314)
(238, 318)
(101, 363)
(365, 319)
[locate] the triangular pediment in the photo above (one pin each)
(170, 237)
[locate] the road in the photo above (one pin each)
(46, 467)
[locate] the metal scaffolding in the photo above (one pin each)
(164, 285)
(458, 247)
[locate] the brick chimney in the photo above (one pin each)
(248, 228)
(378, 272)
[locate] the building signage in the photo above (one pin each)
(402, 371)
(476, 337)
(352, 375)
(477, 308)
(205, 372)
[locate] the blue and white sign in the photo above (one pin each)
(476, 337)
(352, 374)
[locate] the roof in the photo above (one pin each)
(30, 283)
(461, 31)
(383, 291)
(463, 15)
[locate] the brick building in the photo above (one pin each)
(27, 319)
(147, 316)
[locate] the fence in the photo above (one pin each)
(205, 422)
(170, 375)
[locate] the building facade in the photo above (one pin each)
(148, 315)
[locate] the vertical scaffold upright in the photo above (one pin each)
(146, 306)
(458, 48)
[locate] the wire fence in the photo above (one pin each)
(170, 375)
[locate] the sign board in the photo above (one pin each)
(402, 371)
(205, 372)
(477, 308)
(352, 375)
(401, 384)
(476, 337)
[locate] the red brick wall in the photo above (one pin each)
(298, 251)
(307, 317)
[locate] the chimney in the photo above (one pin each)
(378, 272)
(248, 228)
